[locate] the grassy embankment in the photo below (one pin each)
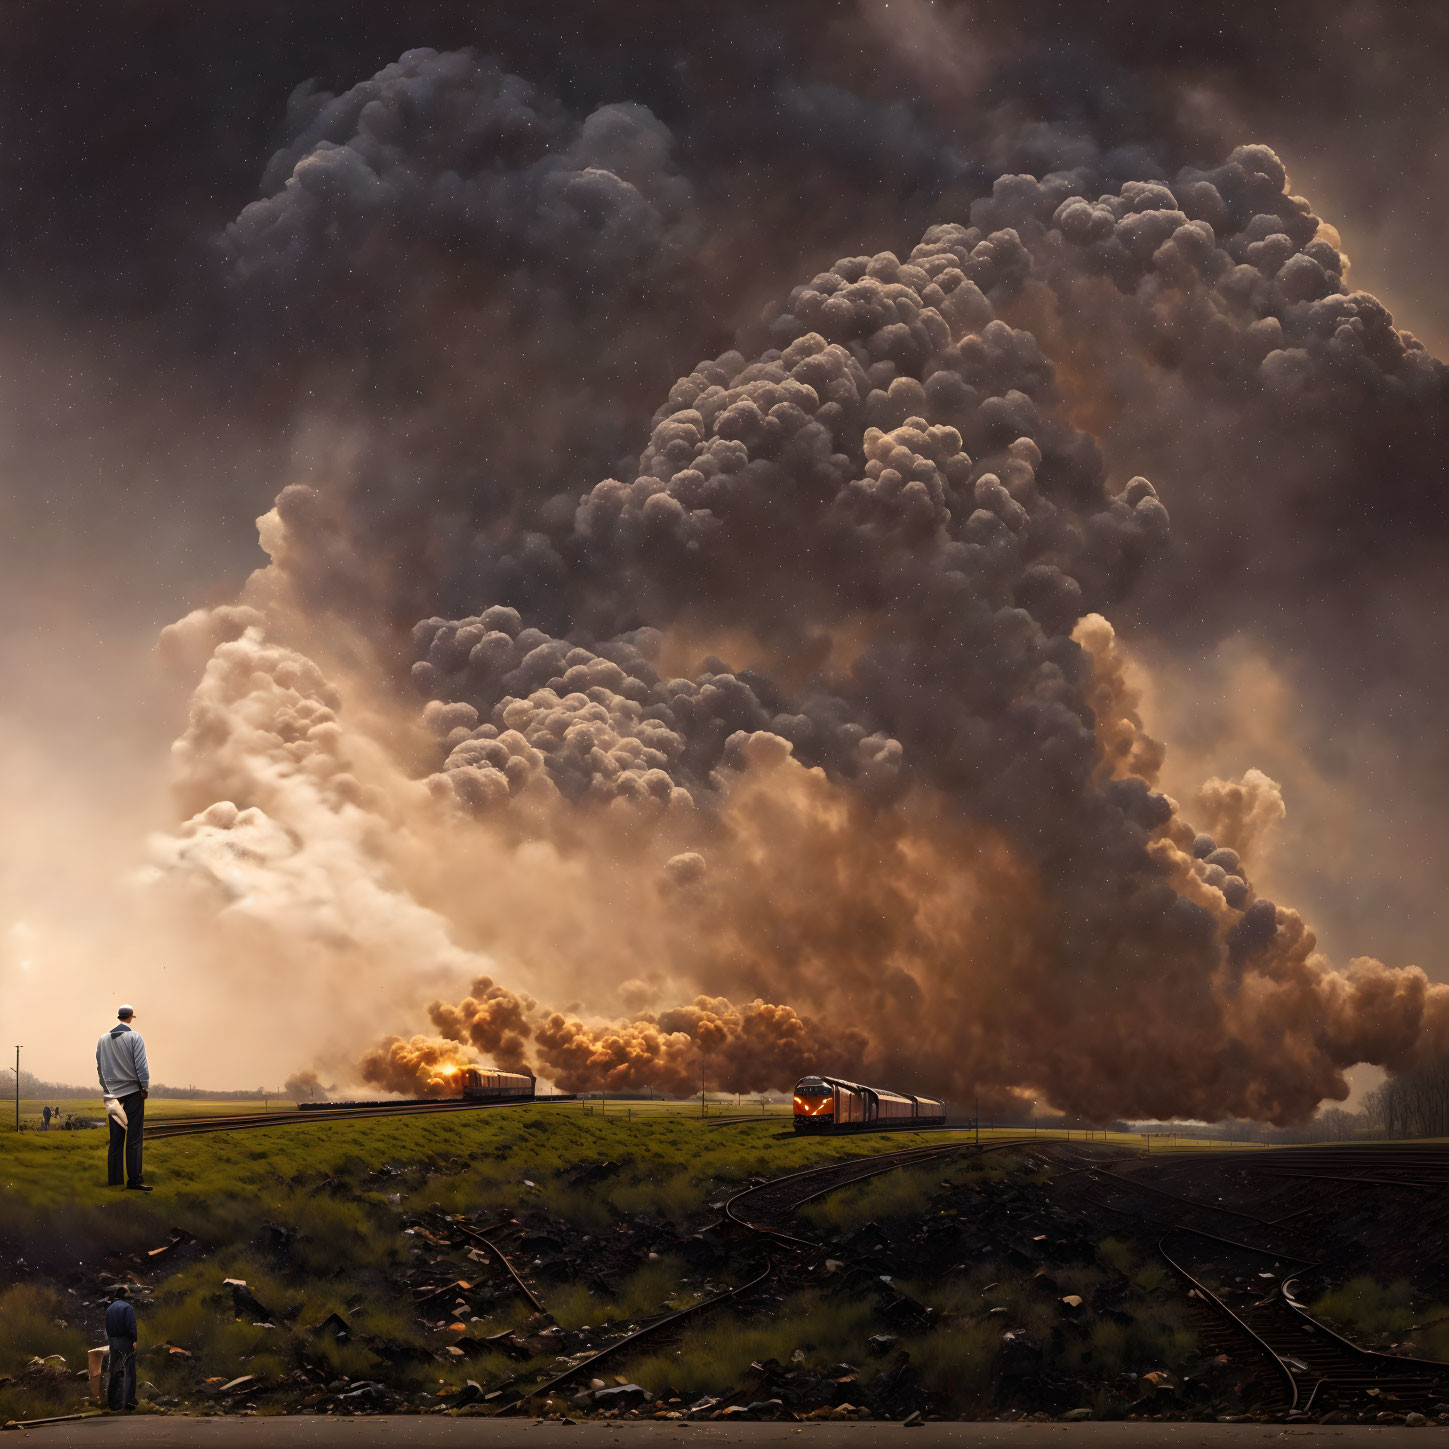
(975, 1307)
(59, 1226)
(343, 1223)
(1382, 1315)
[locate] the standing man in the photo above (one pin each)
(45, 1118)
(124, 1073)
(121, 1338)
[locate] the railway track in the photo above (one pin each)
(1313, 1363)
(781, 1197)
(1386, 1165)
(1243, 1267)
(649, 1330)
(483, 1241)
(778, 1197)
(245, 1122)
(1169, 1210)
(1221, 1331)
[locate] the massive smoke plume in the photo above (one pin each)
(624, 717)
(921, 824)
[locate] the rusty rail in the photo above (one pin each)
(1207, 1295)
(502, 1258)
(640, 1333)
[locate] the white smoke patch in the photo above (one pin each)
(296, 867)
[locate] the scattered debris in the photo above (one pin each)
(334, 1326)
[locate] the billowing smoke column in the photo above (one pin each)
(451, 252)
(418, 1065)
(754, 1045)
(812, 719)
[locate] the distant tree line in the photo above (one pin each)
(1413, 1104)
(34, 1087)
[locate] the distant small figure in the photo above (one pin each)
(121, 1338)
(125, 1077)
(45, 1118)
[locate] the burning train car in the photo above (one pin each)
(483, 1084)
(827, 1104)
(451, 1083)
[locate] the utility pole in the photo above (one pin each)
(17, 1089)
(701, 1084)
(978, 1119)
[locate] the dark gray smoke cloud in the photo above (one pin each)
(897, 472)
(452, 149)
(891, 507)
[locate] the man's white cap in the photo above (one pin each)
(125, 1011)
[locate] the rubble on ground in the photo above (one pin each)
(1026, 1254)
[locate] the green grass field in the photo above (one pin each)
(344, 1189)
(156, 1107)
(613, 1109)
(341, 1192)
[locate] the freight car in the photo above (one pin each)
(471, 1084)
(482, 1084)
(827, 1104)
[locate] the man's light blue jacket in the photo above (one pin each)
(121, 1062)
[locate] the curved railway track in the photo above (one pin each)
(1169, 1210)
(777, 1197)
(1305, 1364)
(781, 1196)
(1224, 1331)
(1311, 1360)
(1248, 1287)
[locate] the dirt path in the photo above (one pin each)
(311, 1431)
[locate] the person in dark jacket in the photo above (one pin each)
(45, 1118)
(121, 1337)
(125, 1075)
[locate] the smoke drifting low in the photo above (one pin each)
(633, 719)
(749, 1046)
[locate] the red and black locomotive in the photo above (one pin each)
(828, 1104)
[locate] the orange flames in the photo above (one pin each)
(419, 1066)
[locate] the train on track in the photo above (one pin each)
(482, 1084)
(473, 1084)
(828, 1104)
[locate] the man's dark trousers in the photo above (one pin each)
(121, 1387)
(127, 1142)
